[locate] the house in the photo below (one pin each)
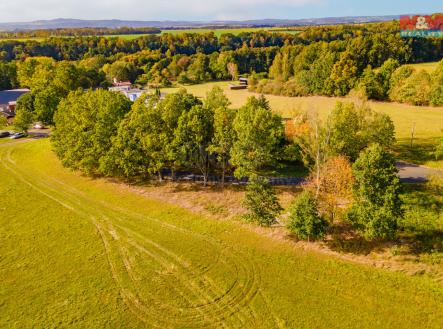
(243, 81)
(8, 102)
(8, 98)
(131, 93)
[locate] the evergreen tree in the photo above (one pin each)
(261, 202)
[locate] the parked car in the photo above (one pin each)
(4, 134)
(39, 125)
(18, 135)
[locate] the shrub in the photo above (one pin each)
(261, 202)
(305, 220)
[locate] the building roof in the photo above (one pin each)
(7, 96)
(6, 113)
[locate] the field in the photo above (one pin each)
(235, 31)
(217, 32)
(426, 121)
(428, 67)
(90, 253)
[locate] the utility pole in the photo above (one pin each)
(412, 134)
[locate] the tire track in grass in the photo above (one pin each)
(241, 261)
(127, 295)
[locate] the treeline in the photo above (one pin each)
(361, 58)
(100, 133)
(75, 32)
(370, 65)
(207, 43)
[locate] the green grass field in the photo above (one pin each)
(217, 32)
(235, 31)
(426, 121)
(82, 252)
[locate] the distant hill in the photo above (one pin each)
(115, 23)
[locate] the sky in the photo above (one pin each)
(204, 10)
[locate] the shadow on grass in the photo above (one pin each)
(420, 152)
(420, 230)
(344, 239)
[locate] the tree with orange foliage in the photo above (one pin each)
(334, 184)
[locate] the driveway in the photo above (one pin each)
(410, 173)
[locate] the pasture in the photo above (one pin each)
(427, 122)
(428, 67)
(217, 32)
(89, 253)
(235, 31)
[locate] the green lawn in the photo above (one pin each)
(428, 121)
(89, 253)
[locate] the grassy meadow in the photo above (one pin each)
(428, 67)
(427, 122)
(217, 32)
(235, 31)
(90, 253)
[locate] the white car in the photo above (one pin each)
(39, 126)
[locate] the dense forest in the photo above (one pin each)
(324, 60)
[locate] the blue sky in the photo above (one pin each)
(24, 10)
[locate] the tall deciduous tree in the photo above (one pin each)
(258, 135)
(223, 137)
(377, 206)
(138, 147)
(171, 109)
(85, 122)
(193, 137)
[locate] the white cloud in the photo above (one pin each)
(22, 10)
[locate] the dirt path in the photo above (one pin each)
(411, 173)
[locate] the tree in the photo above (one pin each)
(436, 93)
(415, 89)
(261, 202)
(23, 119)
(193, 137)
(335, 185)
(8, 75)
(138, 147)
(3, 122)
(85, 122)
(233, 70)
(353, 128)
(45, 104)
(371, 84)
(171, 109)
(438, 153)
(223, 138)
(24, 112)
(305, 220)
(377, 206)
(313, 138)
(344, 74)
(120, 71)
(258, 135)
